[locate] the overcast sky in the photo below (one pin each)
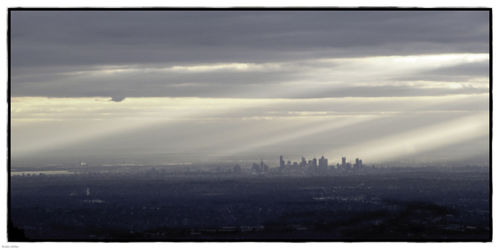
(181, 86)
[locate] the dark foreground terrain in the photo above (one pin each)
(387, 204)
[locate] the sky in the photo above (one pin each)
(201, 86)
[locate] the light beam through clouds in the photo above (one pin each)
(246, 84)
(420, 140)
(137, 114)
(48, 124)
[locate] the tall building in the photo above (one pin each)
(343, 162)
(323, 162)
(303, 162)
(265, 167)
(260, 168)
(314, 163)
(255, 168)
(359, 163)
(282, 162)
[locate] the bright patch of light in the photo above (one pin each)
(420, 140)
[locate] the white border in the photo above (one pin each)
(241, 3)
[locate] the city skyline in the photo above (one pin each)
(319, 163)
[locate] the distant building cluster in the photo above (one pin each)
(260, 168)
(304, 164)
(321, 163)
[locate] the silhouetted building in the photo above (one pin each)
(263, 167)
(256, 168)
(358, 164)
(343, 162)
(303, 162)
(323, 162)
(282, 162)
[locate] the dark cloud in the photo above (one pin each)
(128, 37)
(51, 51)
(117, 98)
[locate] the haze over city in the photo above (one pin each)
(192, 86)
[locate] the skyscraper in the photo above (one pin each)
(343, 162)
(323, 162)
(303, 162)
(358, 164)
(282, 162)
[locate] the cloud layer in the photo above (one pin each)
(237, 53)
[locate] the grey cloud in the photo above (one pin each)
(394, 91)
(467, 69)
(461, 72)
(117, 98)
(233, 84)
(92, 37)
(53, 52)
(164, 78)
(236, 87)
